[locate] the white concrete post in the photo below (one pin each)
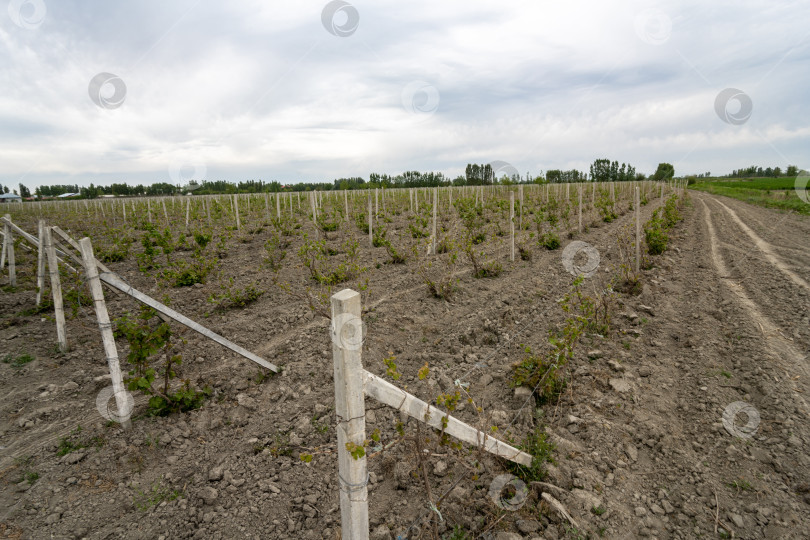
(512, 223)
(40, 260)
(350, 410)
(637, 207)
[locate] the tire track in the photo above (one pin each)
(765, 248)
(779, 348)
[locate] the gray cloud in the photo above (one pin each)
(262, 90)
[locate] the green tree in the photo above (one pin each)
(792, 170)
(24, 192)
(665, 171)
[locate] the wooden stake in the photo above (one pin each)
(350, 410)
(579, 229)
(236, 209)
(188, 209)
(56, 289)
(278, 206)
(110, 351)
(346, 203)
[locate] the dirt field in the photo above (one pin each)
(641, 449)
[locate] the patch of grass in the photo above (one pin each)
(538, 445)
(776, 193)
(549, 241)
(741, 484)
(598, 510)
(19, 361)
(458, 533)
(159, 493)
(70, 443)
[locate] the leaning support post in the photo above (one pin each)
(350, 410)
(105, 326)
(56, 288)
(387, 393)
(40, 260)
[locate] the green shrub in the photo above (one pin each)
(655, 234)
(549, 240)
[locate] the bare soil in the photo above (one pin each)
(641, 447)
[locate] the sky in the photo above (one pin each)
(307, 90)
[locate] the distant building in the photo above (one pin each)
(66, 195)
(10, 197)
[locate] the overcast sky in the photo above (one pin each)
(305, 90)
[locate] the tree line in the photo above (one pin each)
(759, 172)
(602, 170)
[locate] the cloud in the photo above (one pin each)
(262, 90)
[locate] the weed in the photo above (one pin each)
(606, 206)
(275, 248)
(541, 449)
(184, 273)
(525, 253)
(233, 297)
(157, 494)
(458, 533)
(549, 240)
(19, 361)
(741, 484)
(391, 366)
(437, 272)
(70, 443)
(655, 234)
